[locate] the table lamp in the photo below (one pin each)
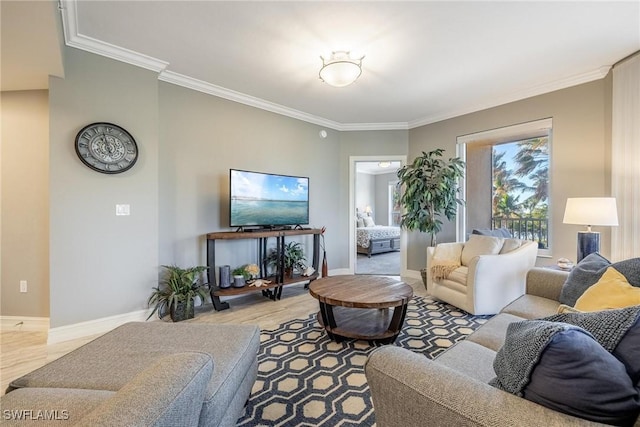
(600, 211)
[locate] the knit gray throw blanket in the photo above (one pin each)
(527, 340)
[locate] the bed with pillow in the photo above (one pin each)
(374, 239)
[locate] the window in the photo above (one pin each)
(507, 181)
(520, 198)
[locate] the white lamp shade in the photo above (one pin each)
(600, 211)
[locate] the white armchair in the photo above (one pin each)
(489, 273)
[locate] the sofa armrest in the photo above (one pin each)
(409, 390)
(168, 393)
(545, 282)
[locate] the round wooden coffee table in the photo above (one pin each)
(361, 307)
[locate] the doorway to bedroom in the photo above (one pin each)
(376, 212)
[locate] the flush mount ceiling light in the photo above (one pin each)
(340, 69)
(384, 164)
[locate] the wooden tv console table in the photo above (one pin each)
(274, 289)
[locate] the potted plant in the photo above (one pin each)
(430, 190)
(177, 291)
(293, 258)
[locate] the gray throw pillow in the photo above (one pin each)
(498, 232)
(585, 274)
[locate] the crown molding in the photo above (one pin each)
(73, 38)
(252, 101)
(587, 77)
(374, 126)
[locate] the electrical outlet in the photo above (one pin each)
(23, 286)
(123, 210)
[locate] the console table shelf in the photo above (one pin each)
(274, 289)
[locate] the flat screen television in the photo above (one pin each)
(266, 200)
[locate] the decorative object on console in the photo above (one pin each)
(325, 266)
(106, 148)
(430, 192)
(177, 292)
(600, 211)
(225, 276)
(340, 69)
(260, 282)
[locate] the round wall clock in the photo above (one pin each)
(106, 148)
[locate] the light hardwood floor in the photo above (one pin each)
(22, 352)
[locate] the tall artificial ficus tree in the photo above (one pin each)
(429, 192)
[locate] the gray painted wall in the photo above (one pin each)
(365, 194)
(102, 264)
(579, 155)
(25, 203)
(202, 137)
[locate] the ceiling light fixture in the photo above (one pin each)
(384, 164)
(340, 69)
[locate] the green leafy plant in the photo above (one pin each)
(430, 190)
(177, 289)
(241, 271)
(294, 258)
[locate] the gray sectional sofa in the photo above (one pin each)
(144, 373)
(453, 390)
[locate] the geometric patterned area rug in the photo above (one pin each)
(305, 379)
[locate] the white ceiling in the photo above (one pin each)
(424, 61)
(374, 168)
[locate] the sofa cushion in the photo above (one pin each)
(611, 291)
(491, 334)
(170, 392)
(531, 307)
(64, 405)
(471, 359)
(480, 245)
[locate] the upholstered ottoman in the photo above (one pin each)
(114, 359)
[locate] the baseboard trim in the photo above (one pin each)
(22, 323)
(95, 327)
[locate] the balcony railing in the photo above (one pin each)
(535, 229)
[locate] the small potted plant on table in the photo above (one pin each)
(177, 291)
(293, 258)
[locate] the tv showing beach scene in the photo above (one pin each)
(264, 199)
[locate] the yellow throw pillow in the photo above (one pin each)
(611, 291)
